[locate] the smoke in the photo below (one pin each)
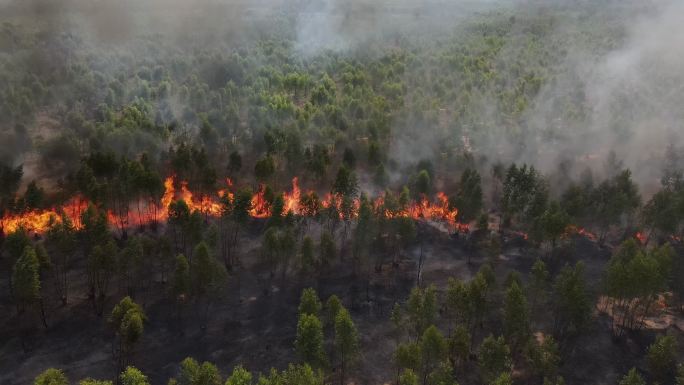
(613, 83)
(611, 78)
(347, 25)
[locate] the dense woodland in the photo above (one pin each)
(151, 232)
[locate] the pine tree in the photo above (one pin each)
(346, 341)
(309, 341)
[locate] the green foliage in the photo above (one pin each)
(127, 319)
(346, 183)
(332, 307)
(309, 341)
(433, 347)
(51, 377)
(133, 376)
(239, 376)
(16, 242)
(662, 358)
(421, 308)
(26, 278)
(423, 183)
(553, 221)
(346, 340)
(293, 375)
(208, 276)
(516, 316)
(90, 381)
(503, 379)
(309, 303)
(494, 358)
(408, 377)
(634, 277)
(468, 197)
(459, 344)
(180, 283)
(632, 378)
(539, 281)
(572, 304)
(408, 355)
(524, 193)
(543, 357)
(306, 255)
(193, 373)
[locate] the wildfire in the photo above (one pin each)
(641, 237)
(145, 212)
(572, 229)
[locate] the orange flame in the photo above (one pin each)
(145, 212)
(641, 237)
(572, 229)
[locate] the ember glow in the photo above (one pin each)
(641, 237)
(147, 212)
(572, 229)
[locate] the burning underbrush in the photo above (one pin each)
(146, 212)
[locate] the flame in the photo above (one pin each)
(641, 237)
(292, 199)
(260, 206)
(146, 211)
(572, 229)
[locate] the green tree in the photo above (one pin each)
(553, 221)
(90, 381)
(239, 376)
(516, 316)
(127, 319)
(264, 168)
(408, 356)
(180, 283)
(60, 240)
(408, 377)
(51, 377)
(26, 282)
(572, 307)
(632, 378)
(332, 306)
(423, 183)
(459, 345)
(421, 308)
(468, 197)
(543, 357)
(208, 277)
(539, 283)
(457, 306)
(293, 375)
(133, 376)
(346, 341)
(345, 183)
(307, 259)
(309, 303)
(327, 249)
(662, 358)
(503, 379)
(634, 277)
(494, 358)
(192, 373)
(309, 341)
(433, 347)
(101, 267)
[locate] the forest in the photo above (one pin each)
(319, 192)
